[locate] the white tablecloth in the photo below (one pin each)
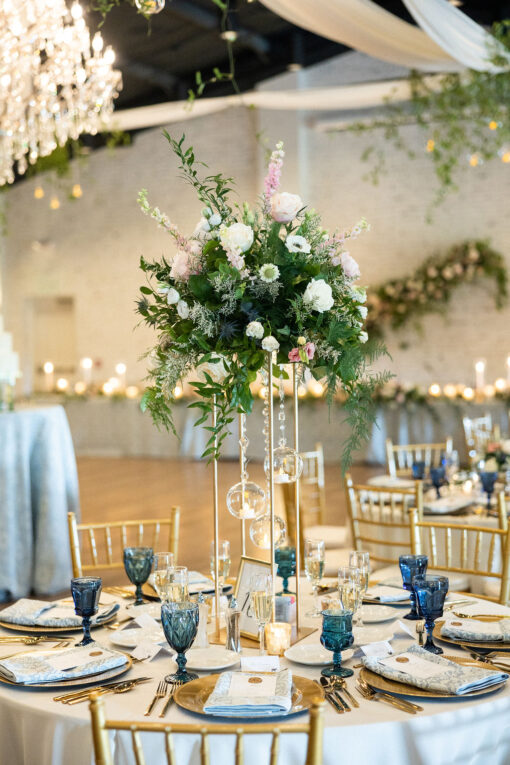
(38, 487)
(35, 729)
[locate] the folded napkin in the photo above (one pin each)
(393, 482)
(386, 593)
(473, 629)
(448, 504)
(39, 613)
(47, 666)
(246, 694)
(433, 673)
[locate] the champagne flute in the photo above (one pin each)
(223, 561)
(314, 569)
(361, 560)
(350, 588)
(177, 587)
(261, 599)
(163, 561)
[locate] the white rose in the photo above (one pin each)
(255, 329)
(183, 309)
(162, 288)
(296, 243)
(172, 296)
(217, 370)
(202, 226)
(270, 343)
(269, 272)
(236, 238)
(319, 296)
(215, 219)
(363, 337)
(359, 294)
(285, 206)
(363, 310)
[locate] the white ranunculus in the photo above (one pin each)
(285, 206)
(269, 272)
(270, 343)
(363, 337)
(215, 219)
(202, 226)
(255, 329)
(217, 370)
(360, 294)
(319, 296)
(183, 309)
(296, 243)
(236, 238)
(172, 296)
(363, 310)
(162, 288)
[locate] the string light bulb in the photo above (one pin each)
(38, 192)
(431, 144)
(54, 203)
(435, 390)
(77, 191)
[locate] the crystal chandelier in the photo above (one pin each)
(55, 83)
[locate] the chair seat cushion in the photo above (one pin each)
(458, 582)
(335, 559)
(333, 536)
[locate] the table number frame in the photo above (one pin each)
(248, 568)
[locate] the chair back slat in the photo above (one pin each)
(312, 487)
(170, 749)
(240, 747)
(448, 546)
(400, 457)
(205, 753)
(137, 747)
(275, 748)
(104, 543)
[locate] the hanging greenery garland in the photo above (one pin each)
(397, 302)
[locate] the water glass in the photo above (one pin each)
(488, 480)
(418, 469)
(180, 625)
(285, 559)
(437, 476)
(163, 561)
(261, 601)
(178, 585)
(315, 554)
(412, 566)
(336, 637)
(431, 592)
(86, 591)
(138, 564)
(223, 561)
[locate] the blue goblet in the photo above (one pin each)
(285, 559)
(410, 567)
(337, 636)
(138, 564)
(86, 591)
(431, 592)
(488, 482)
(418, 469)
(437, 476)
(180, 624)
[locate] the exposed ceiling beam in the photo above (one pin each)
(148, 73)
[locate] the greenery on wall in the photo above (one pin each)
(402, 301)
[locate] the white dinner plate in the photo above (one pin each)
(213, 657)
(391, 482)
(377, 614)
(313, 654)
(131, 638)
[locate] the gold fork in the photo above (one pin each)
(160, 694)
(369, 693)
(173, 688)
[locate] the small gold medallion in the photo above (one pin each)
(96, 653)
(402, 659)
(255, 680)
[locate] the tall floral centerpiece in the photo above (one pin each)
(250, 287)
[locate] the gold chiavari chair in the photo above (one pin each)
(466, 549)
(106, 541)
(400, 457)
(103, 752)
(379, 518)
(312, 483)
(478, 432)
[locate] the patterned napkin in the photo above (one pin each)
(246, 694)
(433, 673)
(36, 666)
(473, 629)
(386, 593)
(39, 613)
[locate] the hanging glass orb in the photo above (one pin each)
(150, 7)
(246, 501)
(260, 532)
(287, 465)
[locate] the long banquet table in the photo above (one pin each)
(38, 487)
(35, 729)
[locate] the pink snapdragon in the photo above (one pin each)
(308, 351)
(274, 172)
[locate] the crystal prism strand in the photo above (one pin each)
(287, 464)
(245, 499)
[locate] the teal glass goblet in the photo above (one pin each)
(285, 559)
(138, 564)
(86, 591)
(337, 636)
(431, 592)
(180, 624)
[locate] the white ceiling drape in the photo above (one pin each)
(457, 34)
(365, 26)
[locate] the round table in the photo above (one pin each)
(35, 729)
(38, 487)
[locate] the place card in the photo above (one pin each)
(260, 664)
(379, 649)
(146, 650)
(406, 628)
(145, 620)
(75, 657)
(252, 685)
(414, 666)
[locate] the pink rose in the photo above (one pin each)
(351, 268)
(181, 266)
(310, 350)
(294, 355)
(285, 206)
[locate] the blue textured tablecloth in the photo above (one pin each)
(38, 487)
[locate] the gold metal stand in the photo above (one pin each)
(242, 456)
(271, 474)
(217, 637)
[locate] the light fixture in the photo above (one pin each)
(150, 7)
(132, 391)
(38, 192)
(435, 390)
(468, 394)
(120, 368)
(178, 391)
(86, 363)
(62, 384)
(77, 191)
(500, 384)
(48, 368)
(80, 388)
(54, 203)
(430, 145)
(53, 86)
(474, 160)
(229, 35)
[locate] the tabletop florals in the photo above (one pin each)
(251, 280)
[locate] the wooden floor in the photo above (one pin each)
(132, 488)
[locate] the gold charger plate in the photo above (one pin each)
(52, 630)
(194, 695)
(97, 677)
(384, 684)
(491, 646)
